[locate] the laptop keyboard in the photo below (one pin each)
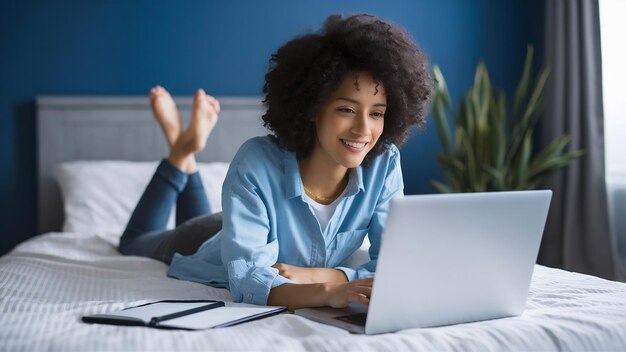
(356, 319)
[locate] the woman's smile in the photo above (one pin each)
(354, 146)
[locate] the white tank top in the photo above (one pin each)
(323, 212)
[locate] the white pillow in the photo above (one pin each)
(99, 196)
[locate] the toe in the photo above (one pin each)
(200, 94)
(215, 104)
(158, 91)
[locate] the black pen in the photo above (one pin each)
(156, 320)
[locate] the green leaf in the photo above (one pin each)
(531, 106)
(523, 161)
(451, 163)
(472, 176)
(441, 125)
(481, 98)
(522, 88)
(480, 95)
(440, 187)
(500, 132)
(441, 87)
(441, 103)
(553, 150)
(497, 177)
(555, 164)
(529, 118)
(469, 122)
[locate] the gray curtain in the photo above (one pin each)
(577, 232)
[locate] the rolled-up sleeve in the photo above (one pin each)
(393, 187)
(251, 284)
(249, 248)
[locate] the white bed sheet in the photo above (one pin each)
(50, 281)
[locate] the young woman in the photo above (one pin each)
(297, 203)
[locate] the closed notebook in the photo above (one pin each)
(188, 315)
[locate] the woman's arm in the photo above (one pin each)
(333, 294)
(310, 275)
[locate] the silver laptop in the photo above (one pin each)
(448, 259)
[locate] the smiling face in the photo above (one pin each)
(350, 122)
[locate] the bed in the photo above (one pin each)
(95, 153)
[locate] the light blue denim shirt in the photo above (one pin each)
(267, 221)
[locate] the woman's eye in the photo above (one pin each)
(378, 114)
(346, 110)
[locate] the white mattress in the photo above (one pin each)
(49, 282)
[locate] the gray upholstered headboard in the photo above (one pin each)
(122, 128)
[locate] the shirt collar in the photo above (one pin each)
(355, 181)
(293, 184)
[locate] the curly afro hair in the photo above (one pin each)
(305, 71)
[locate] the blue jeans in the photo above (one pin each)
(146, 234)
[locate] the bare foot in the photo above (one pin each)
(166, 113)
(203, 119)
(193, 139)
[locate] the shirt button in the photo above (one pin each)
(249, 296)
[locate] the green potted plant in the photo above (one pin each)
(490, 150)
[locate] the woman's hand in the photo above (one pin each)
(333, 294)
(310, 275)
(340, 295)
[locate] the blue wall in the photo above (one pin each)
(125, 47)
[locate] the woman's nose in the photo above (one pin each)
(361, 126)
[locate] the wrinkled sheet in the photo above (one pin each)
(50, 281)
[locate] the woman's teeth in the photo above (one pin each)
(356, 145)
